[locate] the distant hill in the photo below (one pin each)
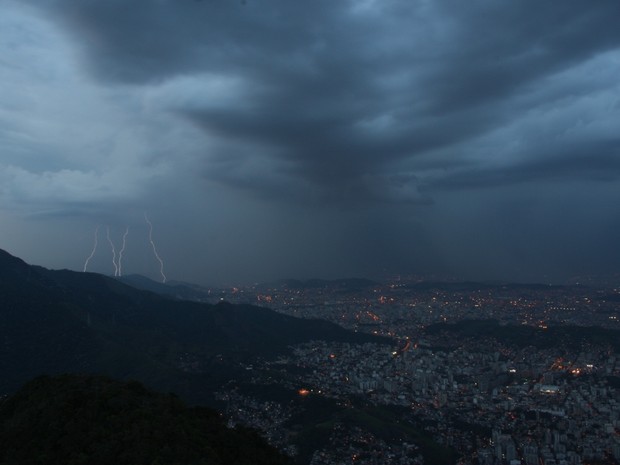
(470, 286)
(65, 321)
(194, 292)
(524, 336)
(348, 284)
(77, 419)
(177, 290)
(610, 298)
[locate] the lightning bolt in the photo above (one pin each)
(120, 253)
(161, 262)
(94, 248)
(113, 253)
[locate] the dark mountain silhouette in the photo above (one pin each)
(76, 419)
(65, 321)
(39, 332)
(175, 289)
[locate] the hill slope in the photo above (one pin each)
(65, 321)
(95, 420)
(37, 333)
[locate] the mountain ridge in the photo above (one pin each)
(65, 321)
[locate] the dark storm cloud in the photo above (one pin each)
(149, 40)
(335, 98)
(597, 161)
(501, 47)
(332, 137)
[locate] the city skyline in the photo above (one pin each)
(269, 140)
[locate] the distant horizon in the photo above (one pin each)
(603, 281)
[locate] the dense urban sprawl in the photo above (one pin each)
(492, 400)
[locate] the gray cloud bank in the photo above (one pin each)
(355, 113)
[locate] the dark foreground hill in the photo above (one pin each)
(65, 321)
(72, 420)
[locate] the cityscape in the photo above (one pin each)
(491, 398)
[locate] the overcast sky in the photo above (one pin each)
(327, 138)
